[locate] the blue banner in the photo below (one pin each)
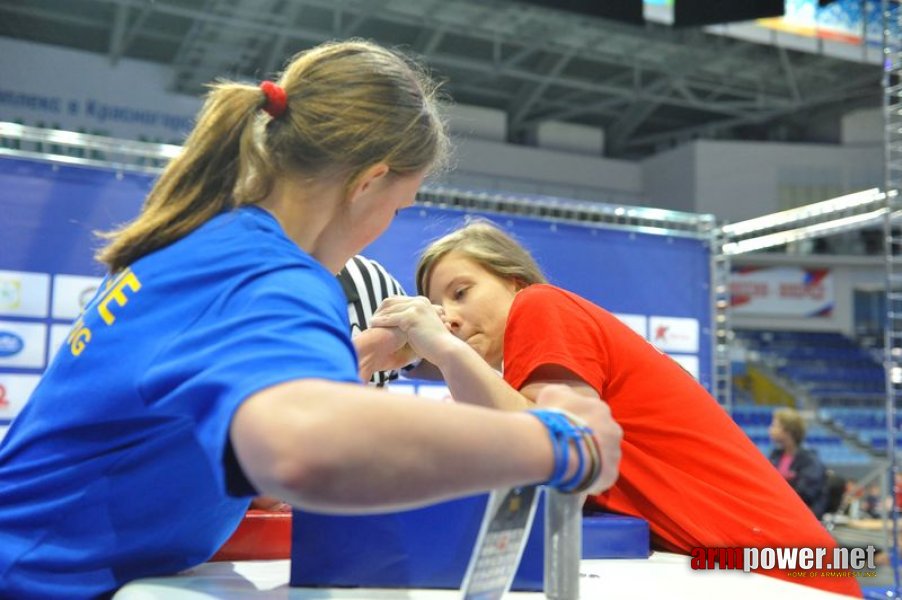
(50, 213)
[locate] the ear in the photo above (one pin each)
(366, 180)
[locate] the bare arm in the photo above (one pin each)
(473, 381)
(345, 448)
(550, 374)
(469, 377)
(425, 370)
(610, 434)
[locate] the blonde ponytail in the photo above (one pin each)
(346, 106)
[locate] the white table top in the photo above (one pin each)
(663, 575)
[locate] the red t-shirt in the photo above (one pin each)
(686, 468)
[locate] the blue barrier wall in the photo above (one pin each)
(49, 213)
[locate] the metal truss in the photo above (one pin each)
(647, 87)
(892, 334)
(68, 147)
(721, 331)
(19, 141)
(837, 215)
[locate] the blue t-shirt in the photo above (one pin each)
(120, 465)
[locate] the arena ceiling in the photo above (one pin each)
(649, 87)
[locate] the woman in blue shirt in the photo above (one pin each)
(215, 363)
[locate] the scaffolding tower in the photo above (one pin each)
(721, 331)
(892, 115)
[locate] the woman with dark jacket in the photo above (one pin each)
(801, 467)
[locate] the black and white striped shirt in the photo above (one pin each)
(366, 284)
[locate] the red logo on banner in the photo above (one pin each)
(661, 332)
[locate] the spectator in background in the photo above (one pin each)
(870, 501)
(799, 466)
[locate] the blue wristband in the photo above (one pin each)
(562, 431)
(580, 474)
(555, 424)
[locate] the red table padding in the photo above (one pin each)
(261, 535)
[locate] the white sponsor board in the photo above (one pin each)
(638, 323)
(71, 293)
(782, 291)
(688, 362)
(674, 334)
(58, 335)
(22, 344)
(24, 294)
(15, 390)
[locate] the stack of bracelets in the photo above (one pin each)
(565, 429)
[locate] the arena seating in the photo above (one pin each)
(831, 368)
(844, 381)
(830, 447)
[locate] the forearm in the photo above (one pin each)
(473, 381)
(339, 448)
(425, 370)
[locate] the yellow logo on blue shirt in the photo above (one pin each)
(114, 294)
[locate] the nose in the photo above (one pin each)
(452, 319)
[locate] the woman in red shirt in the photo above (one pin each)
(686, 467)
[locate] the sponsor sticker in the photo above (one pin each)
(10, 344)
(22, 344)
(72, 293)
(674, 334)
(24, 294)
(15, 389)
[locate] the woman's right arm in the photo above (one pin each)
(343, 448)
(468, 375)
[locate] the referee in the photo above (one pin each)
(366, 284)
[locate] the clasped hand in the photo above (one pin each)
(421, 323)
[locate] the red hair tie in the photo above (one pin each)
(276, 99)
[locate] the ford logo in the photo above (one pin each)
(10, 344)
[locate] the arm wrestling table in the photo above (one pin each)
(662, 575)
